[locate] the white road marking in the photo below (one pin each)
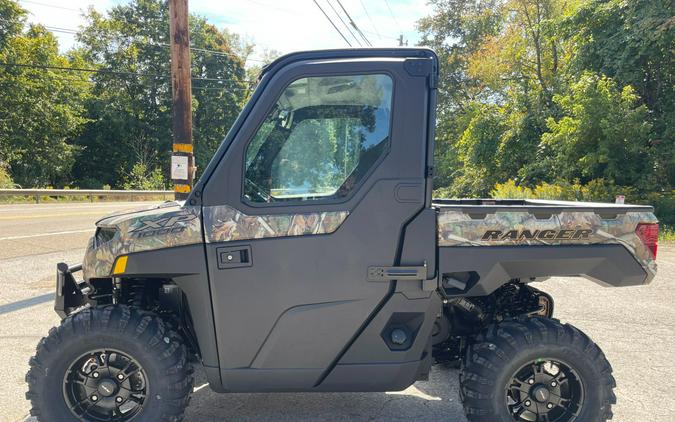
(195, 389)
(49, 207)
(46, 234)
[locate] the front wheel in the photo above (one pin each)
(114, 363)
(536, 369)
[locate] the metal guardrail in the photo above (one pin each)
(89, 193)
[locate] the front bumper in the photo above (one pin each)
(69, 292)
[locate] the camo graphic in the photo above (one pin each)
(161, 227)
(224, 224)
(456, 228)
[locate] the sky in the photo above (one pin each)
(282, 25)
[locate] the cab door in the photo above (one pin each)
(316, 186)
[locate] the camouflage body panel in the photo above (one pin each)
(224, 224)
(457, 228)
(174, 225)
(161, 227)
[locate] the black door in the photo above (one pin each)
(315, 187)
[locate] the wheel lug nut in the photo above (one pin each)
(527, 402)
(94, 397)
(120, 376)
(549, 406)
(530, 381)
(94, 374)
(119, 399)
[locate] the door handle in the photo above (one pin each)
(234, 257)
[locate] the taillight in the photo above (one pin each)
(649, 235)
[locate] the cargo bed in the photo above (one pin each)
(527, 239)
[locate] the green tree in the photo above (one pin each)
(502, 62)
(633, 42)
(130, 110)
(40, 107)
(455, 30)
(217, 104)
(604, 134)
(523, 95)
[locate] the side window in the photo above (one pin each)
(320, 140)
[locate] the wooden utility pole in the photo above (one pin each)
(182, 160)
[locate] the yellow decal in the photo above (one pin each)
(182, 148)
(120, 265)
(182, 188)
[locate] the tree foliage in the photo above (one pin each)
(553, 91)
(40, 110)
(604, 133)
(113, 126)
(131, 112)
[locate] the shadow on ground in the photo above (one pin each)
(433, 400)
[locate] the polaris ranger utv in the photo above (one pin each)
(310, 256)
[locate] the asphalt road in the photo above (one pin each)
(635, 326)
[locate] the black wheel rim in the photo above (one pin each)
(545, 390)
(105, 385)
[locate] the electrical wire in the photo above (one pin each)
(391, 12)
(108, 71)
(89, 81)
(370, 19)
(331, 22)
(50, 5)
(74, 32)
(200, 50)
(344, 23)
(351, 21)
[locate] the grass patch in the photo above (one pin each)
(667, 234)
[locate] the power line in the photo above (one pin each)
(354, 24)
(391, 12)
(195, 87)
(344, 23)
(389, 37)
(201, 50)
(50, 5)
(75, 32)
(108, 71)
(331, 22)
(370, 19)
(63, 30)
(89, 81)
(78, 69)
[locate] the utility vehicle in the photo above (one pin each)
(310, 256)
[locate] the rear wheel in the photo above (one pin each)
(113, 363)
(536, 369)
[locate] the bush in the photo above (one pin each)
(6, 181)
(510, 190)
(140, 178)
(597, 190)
(664, 207)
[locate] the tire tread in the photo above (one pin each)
(146, 327)
(491, 350)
